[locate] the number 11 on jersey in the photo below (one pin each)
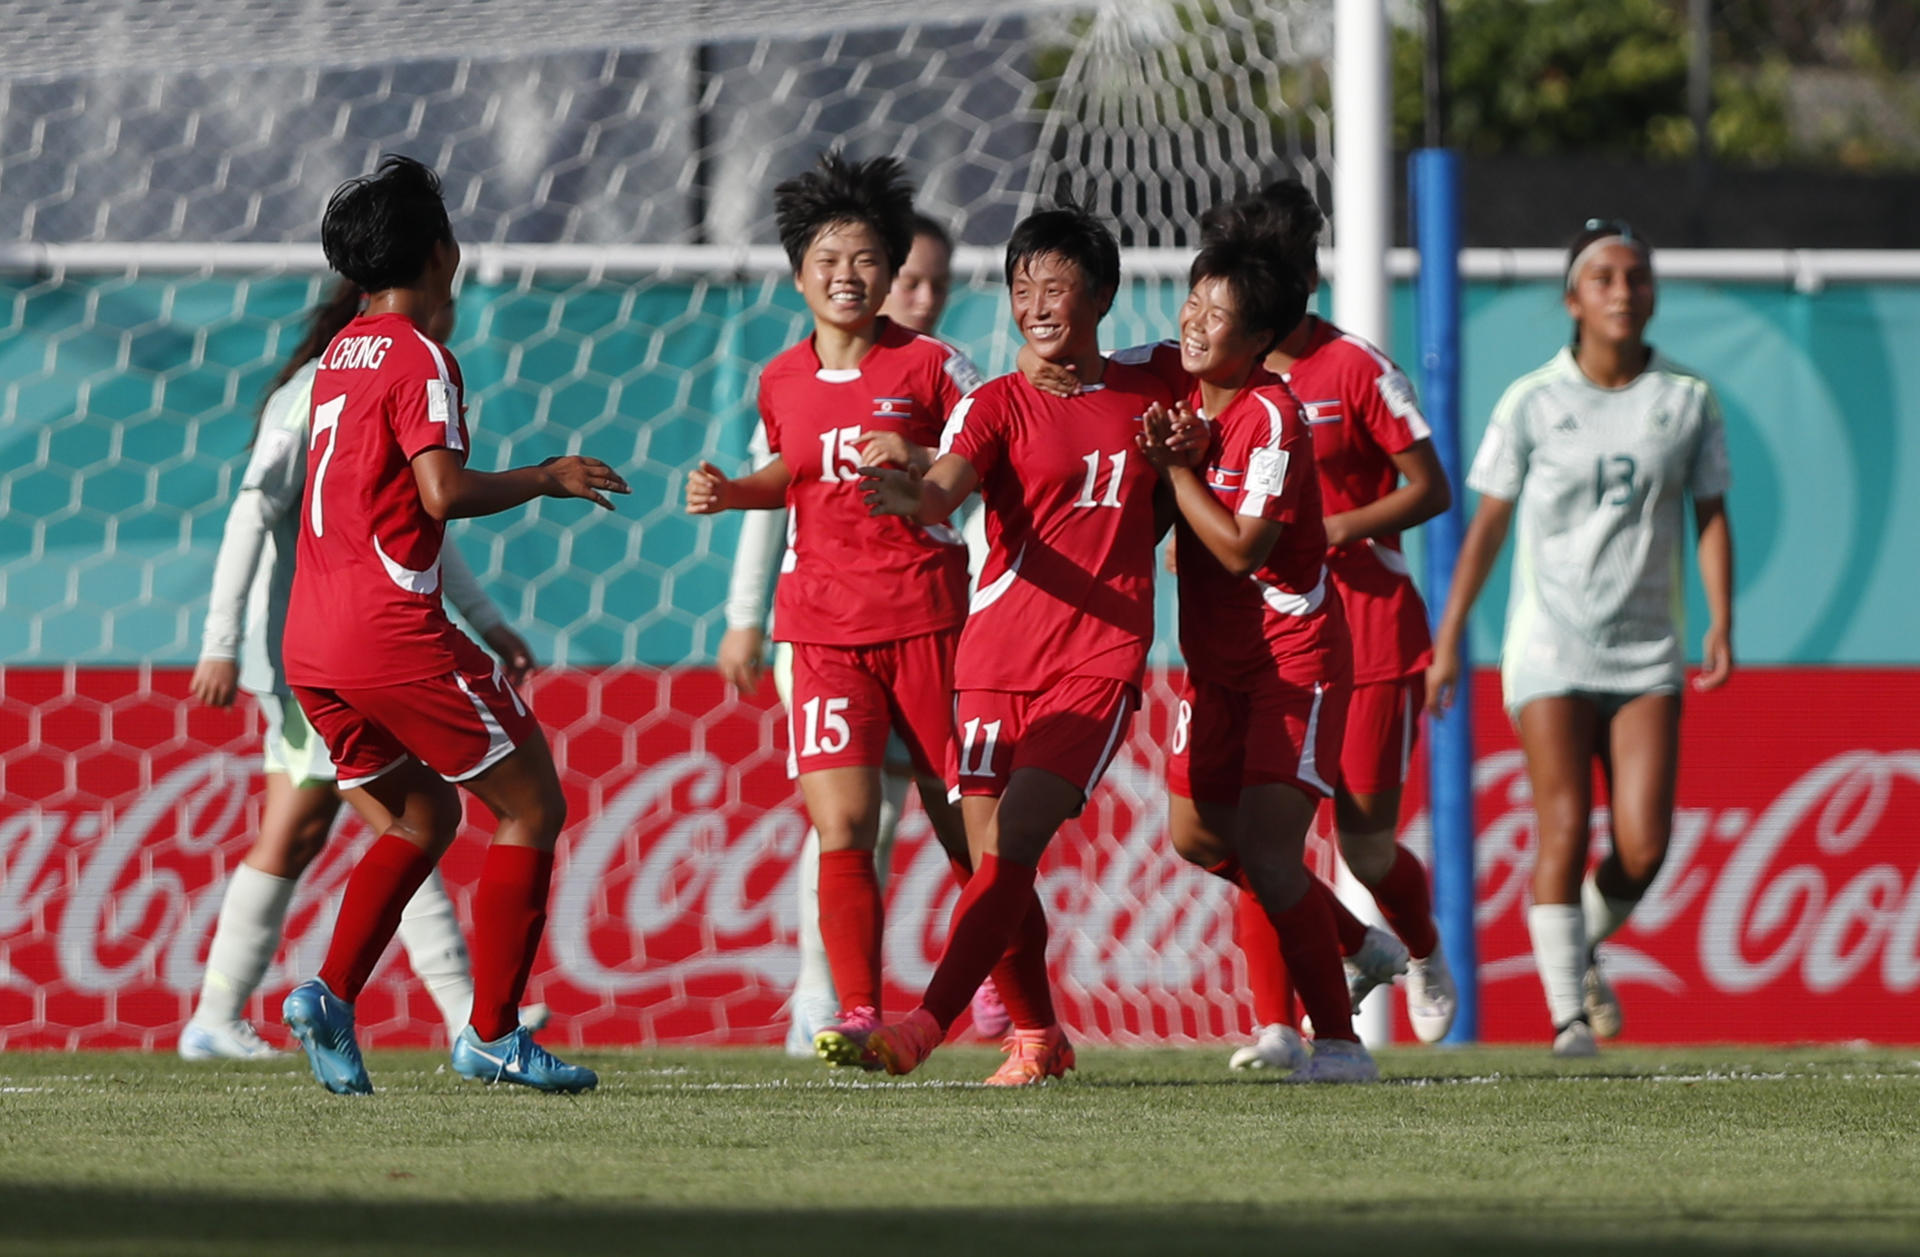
(1117, 464)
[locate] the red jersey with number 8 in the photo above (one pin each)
(1068, 585)
(365, 608)
(850, 578)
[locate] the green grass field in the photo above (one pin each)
(1712, 1150)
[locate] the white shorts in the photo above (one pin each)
(292, 747)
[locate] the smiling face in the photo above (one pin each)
(1056, 308)
(1611, 299)
(844, 275)
(1215, 343)
(919, 294)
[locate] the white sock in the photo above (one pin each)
(1560, 953)
(245, 938)
(893, 802)
(1603, 913)
(815, 983)
(430, 932)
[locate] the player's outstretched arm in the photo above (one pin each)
(710, 490)
(1478, 549)
(1240, 542)
(449, 489)
(926, 499)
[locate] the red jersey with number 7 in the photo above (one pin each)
(1067, 589)
(1362, 411)
(850, 578)
(365, 609)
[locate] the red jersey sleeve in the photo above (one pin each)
(1388, 408)
(1161, 360)
(769, 423)
(428, 411)
(976, 430)
(1279, 461)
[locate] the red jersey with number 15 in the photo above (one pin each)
(365, 609)
(1362, 411)
(1067, 589)
(850, 578)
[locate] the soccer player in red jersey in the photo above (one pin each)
(1269, 666)
(1050, 664)
(408, 704)
(1368, 438)
(872, 607)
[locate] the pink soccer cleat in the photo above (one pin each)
(844, 1043)
(1033, 1057)
(990, 1016)
(904, 1046)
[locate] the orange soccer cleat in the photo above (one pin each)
(902, 1047)
(1034, 1056)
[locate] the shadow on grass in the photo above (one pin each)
(69, 1220)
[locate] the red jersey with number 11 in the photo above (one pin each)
(1067, 589)
(365, 608)
(850, 578)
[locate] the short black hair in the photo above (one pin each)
(875, 192)
(933, 229)
(379, 229)
(1282, 213)
(1270, 295)
(1070, 232)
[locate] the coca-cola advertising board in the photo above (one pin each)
(1789, 908)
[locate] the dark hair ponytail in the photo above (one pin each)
(341, 307)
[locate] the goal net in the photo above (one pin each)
(609, 169)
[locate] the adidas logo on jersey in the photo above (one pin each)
(1567, 424)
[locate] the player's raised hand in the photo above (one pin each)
(1190, 437)
(577, 476)
(890, 491)
(214, 682)
(516, 657)
(1716, 660)
(742, 657)
(1048, 377)
(707, 489)
(1156, 431)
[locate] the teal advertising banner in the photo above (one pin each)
(127, 404)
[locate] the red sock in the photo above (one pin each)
(1272, 990)
(509, 915)
(1406, 903)
(984, 924)
(1021, 976)
(850, 925)
(1313, 957)
(377, 892)
(1349, 929)
(1273, 1002)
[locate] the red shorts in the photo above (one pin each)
(1226, 740)
(459, 724)
(1383, 723)
(846, 700)
(1072, 730)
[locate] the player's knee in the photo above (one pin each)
(1369, 856)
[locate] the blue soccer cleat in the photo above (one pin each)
(323, 1023)
(518, 1059)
